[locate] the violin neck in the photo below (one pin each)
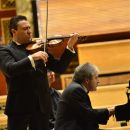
(58, 37)
(81, 39)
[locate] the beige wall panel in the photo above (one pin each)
(110, 57)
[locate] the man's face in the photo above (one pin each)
(22, 34)
(51, 77)
(93, 83)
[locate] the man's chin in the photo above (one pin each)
(28, 41)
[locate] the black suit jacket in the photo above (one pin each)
(75, 111)
(55, 97)
(28, 88)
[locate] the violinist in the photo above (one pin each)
(28, 100)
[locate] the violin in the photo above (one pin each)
(38, 44)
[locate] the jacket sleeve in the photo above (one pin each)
(10, 66)
(82, 106)
(59, 65)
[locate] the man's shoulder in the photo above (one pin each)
(4, 47)
(53, 91)
(73, 86)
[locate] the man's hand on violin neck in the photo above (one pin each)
(40, 55)
(73, 39)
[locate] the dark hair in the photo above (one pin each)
(14, 21)
(84, 71)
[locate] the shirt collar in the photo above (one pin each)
(85, 89)
(17, 43)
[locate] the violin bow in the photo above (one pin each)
(46, 24)
(46, 33)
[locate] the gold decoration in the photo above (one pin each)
(7, 4)
(5, 30)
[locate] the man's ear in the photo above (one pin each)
(86, 81)
(13, 31)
